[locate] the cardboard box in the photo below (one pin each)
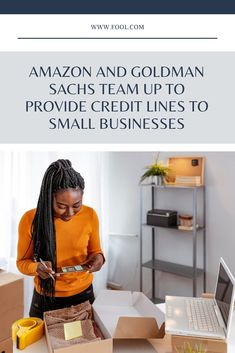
(7, 319)
(142, 346)
(209, 345)
(120, 315)
(12, 301)
(6, 346)
(187, 170)
(115, 310)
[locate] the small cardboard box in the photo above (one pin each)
(11, 299)
(208, 345)
(120, 315)
(6, 346)
(187, 170)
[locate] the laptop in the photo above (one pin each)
(201, 317)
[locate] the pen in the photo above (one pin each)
(43, 263)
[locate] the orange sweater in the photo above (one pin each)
(75, 240)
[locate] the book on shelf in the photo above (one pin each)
(188, 180)
(186, 227)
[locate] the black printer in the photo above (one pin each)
(162, 218)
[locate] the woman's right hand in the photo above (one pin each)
(43, 269)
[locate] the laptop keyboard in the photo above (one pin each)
(201, 315)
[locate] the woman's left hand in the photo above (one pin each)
(93, 263)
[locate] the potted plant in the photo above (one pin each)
(188, 348)
(155, 172)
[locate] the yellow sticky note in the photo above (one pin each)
(72, 330)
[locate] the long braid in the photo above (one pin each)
(59, 176)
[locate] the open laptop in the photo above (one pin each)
(203, 317)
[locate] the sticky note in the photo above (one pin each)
(72, 330)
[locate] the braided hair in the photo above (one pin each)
(59, 176)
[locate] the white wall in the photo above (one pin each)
(125, 169)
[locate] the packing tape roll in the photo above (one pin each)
(27, 331)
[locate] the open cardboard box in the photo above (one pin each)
(186, 170)
(120, 315)
(12, 301)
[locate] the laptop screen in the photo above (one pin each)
(224, 293)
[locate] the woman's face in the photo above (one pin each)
(66, 203)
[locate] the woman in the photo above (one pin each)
(59, 232)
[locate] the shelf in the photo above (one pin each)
(174, 228)
(174, 186)
(149, 199)
(169, 267)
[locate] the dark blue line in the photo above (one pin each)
(117, 7)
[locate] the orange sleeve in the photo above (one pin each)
(24, 261)
(94, 241)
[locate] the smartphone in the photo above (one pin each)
(69, 269)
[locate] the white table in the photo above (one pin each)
(130, 346)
